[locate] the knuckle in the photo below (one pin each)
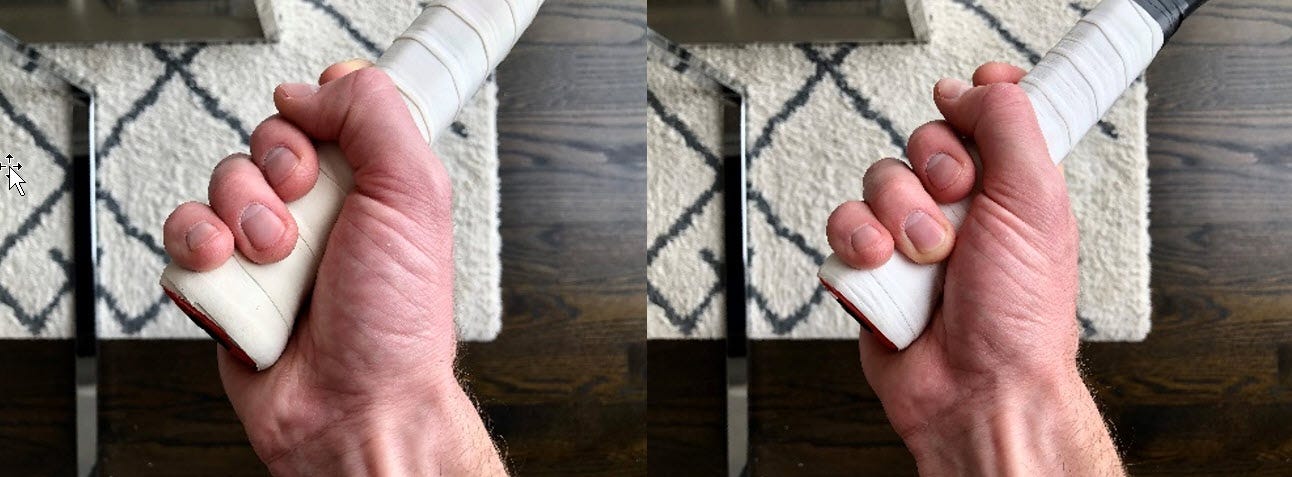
(267, 126)
(931, 127)
(230, 160)
(1005, 100)
(928, 138)
(839, 218)
(226, 176)
(190, 205)
(172, 220)
(228, 167)
(367, 81)
(229, 164)
(884, 178)
(369, 92)
(273, 131)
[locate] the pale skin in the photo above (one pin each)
(366, 385)
(992, 386)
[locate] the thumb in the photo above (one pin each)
(1017, 170)
(366, 116)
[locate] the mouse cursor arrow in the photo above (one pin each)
(15, 180)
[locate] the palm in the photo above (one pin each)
(381, 312)
(978, 331)
(371, 354)
(378, 286)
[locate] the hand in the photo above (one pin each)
(992, 385)
(366, 383)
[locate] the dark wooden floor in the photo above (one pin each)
(1209, 392)
(563, 386)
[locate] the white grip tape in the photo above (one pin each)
(897, 298)
(1070, 89)
(1089, 69)
(450, 50)
(438, 64)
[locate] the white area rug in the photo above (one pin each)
(166, 114)
(819, 116)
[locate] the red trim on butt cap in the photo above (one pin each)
(215, 331)
(857, 315)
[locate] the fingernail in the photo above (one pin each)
(942, 171)
(199, 235)
(863, 238)
(261, 226)
(951, 88)
(298, 90)
(279, 164)
(924, 233)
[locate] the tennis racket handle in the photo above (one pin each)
(250, 308)
(437, 65)
(895, 301)
(1070, 89)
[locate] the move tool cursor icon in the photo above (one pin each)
(15, 180)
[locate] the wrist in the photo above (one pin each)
(1046, 425)
(437, 433)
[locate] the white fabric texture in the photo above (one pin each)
(166, 114)
(819, 116)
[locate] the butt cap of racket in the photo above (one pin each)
(896, 315)
(257, 341)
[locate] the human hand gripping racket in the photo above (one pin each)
(437, 65)
(1070, 89)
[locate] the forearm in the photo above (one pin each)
(1043, 428)
(441, 437)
